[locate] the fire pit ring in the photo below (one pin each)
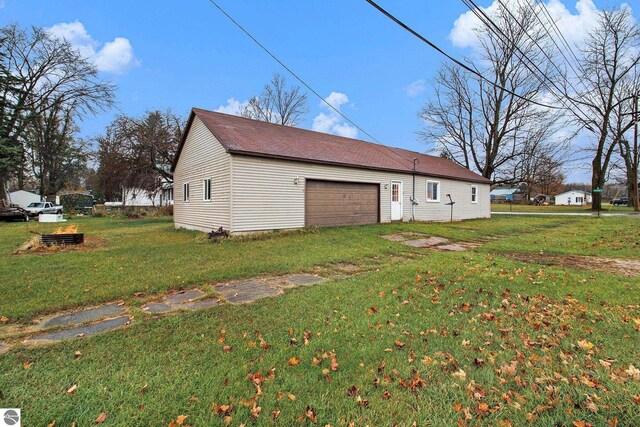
(62, 239)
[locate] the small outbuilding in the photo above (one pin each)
(23, 198)
(573, 198)
(246, 175)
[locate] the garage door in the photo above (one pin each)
(341, 203)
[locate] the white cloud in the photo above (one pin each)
(113, 57)
(331, 121)
(233, 106)
(415, 88)
(574, 27)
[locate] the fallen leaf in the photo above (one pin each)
(459, 374)
(180, 419)
(255, 411)
(227, 348)
(352, 391)
(77, 354)
(294, 361)
(101, 418)
(362, 402)
(27, 365)
(291, 396)
(72, 389)
(310, 413)
(399, 344)
(275, 413)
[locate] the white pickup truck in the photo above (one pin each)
(37, 208)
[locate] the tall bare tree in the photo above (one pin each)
(610, 63)
(277, 104)
(43, 70)
(481, 125)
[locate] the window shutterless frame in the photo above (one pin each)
(474, 194)
(185, 192)
(433, 191)
(206, 190)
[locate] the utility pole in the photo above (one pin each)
(636, 117)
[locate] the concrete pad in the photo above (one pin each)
(395, 237)
(426, 243)
(200, 304)
(82, 316)
(452, 248)
(184, 296)
(245, 291)
(84, 331)
(157, 307)
(293, 280)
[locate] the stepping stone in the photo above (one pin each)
(294, 280)
(426, 243)
(82, 316)
(395, 237)
(200, 304)
(85, 330)
(157, 307)
(4, 347)
(244, 291)
(454, 247)
(185, 296)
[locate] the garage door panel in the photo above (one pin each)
(341, 203)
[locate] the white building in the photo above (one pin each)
(573, 198)
(246, 175)
(23, 198)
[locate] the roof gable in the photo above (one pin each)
(240, 135)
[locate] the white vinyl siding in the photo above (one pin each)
(266, 196)
(433, 191)
(202, 157)
(474, 194)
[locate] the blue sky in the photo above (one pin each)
(183, 54)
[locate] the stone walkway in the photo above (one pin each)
(94, 320)
(420, 240)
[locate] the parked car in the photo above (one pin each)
(37, 208)
(13, 213)
(624, 201)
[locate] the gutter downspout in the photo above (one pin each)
(413, 191)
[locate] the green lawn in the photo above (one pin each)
(425, 337)
(606, 208)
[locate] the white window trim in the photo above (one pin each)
(204, 189)
(476, 188)
(186, 192)
(437, 200)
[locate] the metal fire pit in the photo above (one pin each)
(62, 239)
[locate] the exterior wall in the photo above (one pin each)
(23, 198)
(140, 197)
(202, 158)
(266, 196)
(569, 198)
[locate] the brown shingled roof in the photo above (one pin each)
(239, 135)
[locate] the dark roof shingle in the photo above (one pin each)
(239, 135)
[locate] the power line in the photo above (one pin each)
(557, 31)
(492, 26)
(456, 61)
(275, 58)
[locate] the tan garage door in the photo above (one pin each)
(341, 203)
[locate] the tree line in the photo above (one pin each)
(516, 124)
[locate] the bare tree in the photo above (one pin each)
(481, 125)
(277, 104)
(609, 64)
(38, 71)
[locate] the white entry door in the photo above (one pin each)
(396, 200)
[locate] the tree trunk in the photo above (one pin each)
(3, 193)
(597, 181)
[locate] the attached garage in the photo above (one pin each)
(341, 203)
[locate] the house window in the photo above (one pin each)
(185, 192)
(395, 192)
(206, 192)
(474, 194)
(433, 191)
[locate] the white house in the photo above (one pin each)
(23, 198)
(573, 198)
(140, 198)
(246, 175)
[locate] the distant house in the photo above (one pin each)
(573, 198)
(23, 198)
(246, 175)
(137, 197)
(502, 195)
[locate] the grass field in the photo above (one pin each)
(606, 208)
(435, 338)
